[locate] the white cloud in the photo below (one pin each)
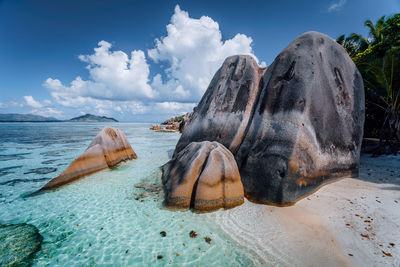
(113, 76)
(336, 6)
(194, 50)
(42, 109)
(30, 101)
(175, 107)
(16, 104)
(47, 112)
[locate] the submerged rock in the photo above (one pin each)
(108, 148)
(291, 127)
(203, 175)
(18, 244)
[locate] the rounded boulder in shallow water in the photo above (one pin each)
(203, 175)
(108, 148)
(18, 244)
(293, 126)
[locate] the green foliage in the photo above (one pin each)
(378, 59)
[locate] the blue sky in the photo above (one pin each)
(148, 60)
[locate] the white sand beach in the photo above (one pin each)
(351, 222)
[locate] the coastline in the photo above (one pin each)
(351, 222)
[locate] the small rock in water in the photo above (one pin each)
(159, 257)
(126, 252)
(193, 234)
(207, 239)
(163, 233)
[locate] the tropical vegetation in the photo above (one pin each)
(377, 57)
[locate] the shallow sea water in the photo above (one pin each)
(108, 218)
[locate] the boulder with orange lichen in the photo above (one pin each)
(108, 148)
(291, 127)
(203, 175)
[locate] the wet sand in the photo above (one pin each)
(351, 222)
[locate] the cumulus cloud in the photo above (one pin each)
(193, 50)
(175, 107)
(113, 76)
(30, 101)
(336, 6)
(42, 109)
(47, 112)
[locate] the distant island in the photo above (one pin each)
(36, 118)
(92, 118)
(25, 118)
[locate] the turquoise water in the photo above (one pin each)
(112, 217)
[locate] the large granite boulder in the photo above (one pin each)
(203, 175)
(108, 148)
(18, 244)
(292, 127)
(225, 109)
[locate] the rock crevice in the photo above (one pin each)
(204, 176)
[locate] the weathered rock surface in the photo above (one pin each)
(203, 175)
(18, 244)
(291, 127)
(185, 121)
(225, 109)
(108, 148)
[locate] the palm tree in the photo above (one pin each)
(348, 44)
(375, 31)
(383, 89)
(378, 59)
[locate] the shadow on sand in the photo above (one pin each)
(384, 170)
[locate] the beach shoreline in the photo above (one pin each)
(351, 222)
